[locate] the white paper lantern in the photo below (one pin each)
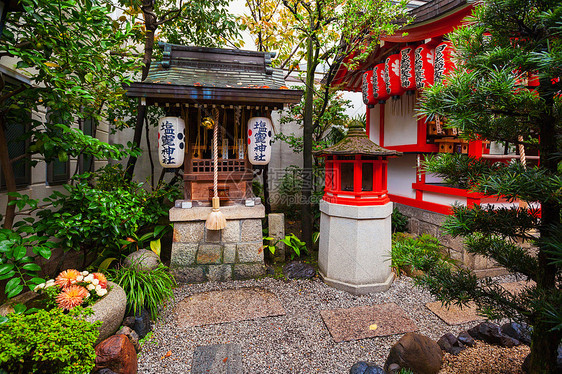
(260, 131)
(171, 142)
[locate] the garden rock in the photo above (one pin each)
(491, 333)
(110, 310)
(142, 260)
(363, 367)
(465, 338)
(129, 322)
(450, 344)
(132, 335)
(142, 325)
(417, 353)
(116, 353)
(517, 331)
(295, 269)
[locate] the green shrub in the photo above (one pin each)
(410, 251)
(399, 221)
(48, 342)
(94, 218)
(144, 289)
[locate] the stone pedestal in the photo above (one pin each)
(355, 245)
(235, 252)
(276, 231)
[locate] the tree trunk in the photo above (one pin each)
(8, 172)
(150, 23)
(307, 147)
(544, 344)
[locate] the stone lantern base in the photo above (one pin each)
(235, 252)
(355, 245)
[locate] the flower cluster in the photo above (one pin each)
(73, 288)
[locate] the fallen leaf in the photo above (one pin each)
(226, 358)
(168, 354)
(373, 326)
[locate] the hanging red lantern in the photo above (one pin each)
(407, 74)
(423, 66)
(443, 61)
(379, 87)
(367, 89)
(392, 75)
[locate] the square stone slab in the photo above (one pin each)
(217, 359)
(516, 287)
(367, 322)
(209, 308)
(454, 315)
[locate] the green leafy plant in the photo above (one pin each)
(144, 289)
(48, 342)
(20, 269)
(399, 221)
(96, 218)
(291, 241)
(409, 252)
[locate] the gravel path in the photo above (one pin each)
(297, 342)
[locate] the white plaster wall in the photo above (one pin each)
(374, 124)
(400, 124)
(401, 175)
(443, 199)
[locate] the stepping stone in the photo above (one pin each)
(367, 322)
(217, 359)
(213, 307)
(454, 315)
(516, 287)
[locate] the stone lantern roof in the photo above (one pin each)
(356, 142)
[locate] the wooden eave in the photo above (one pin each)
(168, 93)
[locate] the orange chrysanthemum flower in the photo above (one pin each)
(67, 278)
(101, 278)
(71, 297)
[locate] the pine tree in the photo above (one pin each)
(504, 45)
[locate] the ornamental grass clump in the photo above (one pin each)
(144, 289)
(72, 288)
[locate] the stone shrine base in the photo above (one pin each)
(355, 244)
(200, 255)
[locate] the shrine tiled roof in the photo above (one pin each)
(201, 75)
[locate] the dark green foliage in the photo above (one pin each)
(399, 221)
(486, 97)
(15, 264)
(48, 342)
(418, 252)
(96, 217)
(144, 289)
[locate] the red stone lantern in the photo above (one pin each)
(423, 66)
(392, 75)
(367, 89)
(379, 87)
(407, 74)
(443, 60)
(356, 170)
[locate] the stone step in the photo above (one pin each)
(217, 359)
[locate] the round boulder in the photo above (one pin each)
(142, 260)
(110, 310)
(117, 354)
(415, 352)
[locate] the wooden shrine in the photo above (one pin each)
(200, 87)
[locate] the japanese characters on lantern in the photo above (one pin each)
(443, 60)
(367, 88)
(407, 75)
(392, 75)
(379, 87)
(260, 132)
(423, 66)
(171, 142)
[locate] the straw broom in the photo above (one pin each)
(216, 220)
